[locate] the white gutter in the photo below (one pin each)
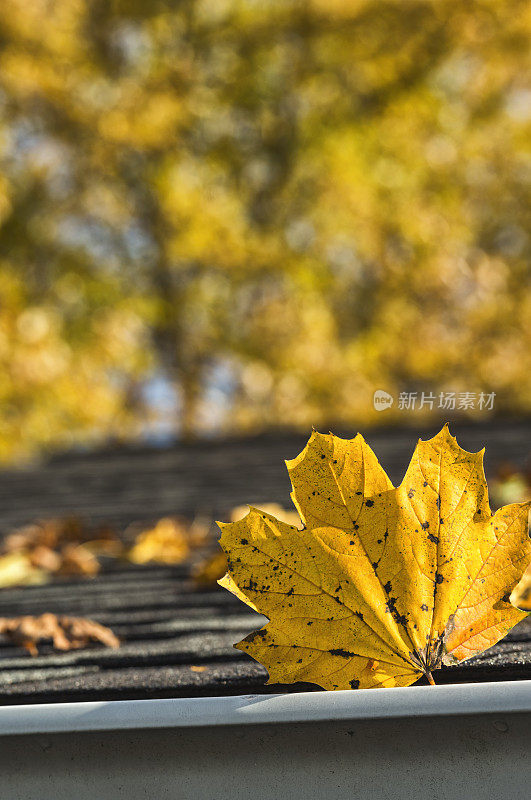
(417, 701)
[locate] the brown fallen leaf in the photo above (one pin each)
(63, 546)
(384, 584)
(66, 633)
(78, 559)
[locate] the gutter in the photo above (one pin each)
(442, 742)
(506, 697)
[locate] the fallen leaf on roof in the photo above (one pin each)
(17, 569)
(384, 584)
(66, 633)
(62, 546)
(521, 594)
(166, 543)
(510, 485)
(79, 559)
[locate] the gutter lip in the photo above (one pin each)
(505, 697)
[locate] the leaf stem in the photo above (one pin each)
(430, 679)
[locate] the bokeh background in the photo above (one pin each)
(232, 215)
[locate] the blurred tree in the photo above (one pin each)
(315, 199)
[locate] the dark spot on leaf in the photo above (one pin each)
(369, 503)
(244, 541)
(388, 588)
(438, 578)
(411, 493)
(355, 685)
(256, 635)
(342, 653)
(425, 526)
(424, 607)
(433, 538)
(391, 608)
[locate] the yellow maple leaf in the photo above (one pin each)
(383, 584)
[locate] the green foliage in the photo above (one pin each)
(329, 197)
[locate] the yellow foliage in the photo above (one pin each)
(384, 584)
(272, 189)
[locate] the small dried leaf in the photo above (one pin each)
(166, 543)
(78, 560)
(17, 569)
(63, 546)
(66, 633)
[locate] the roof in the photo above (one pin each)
(176, 638)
